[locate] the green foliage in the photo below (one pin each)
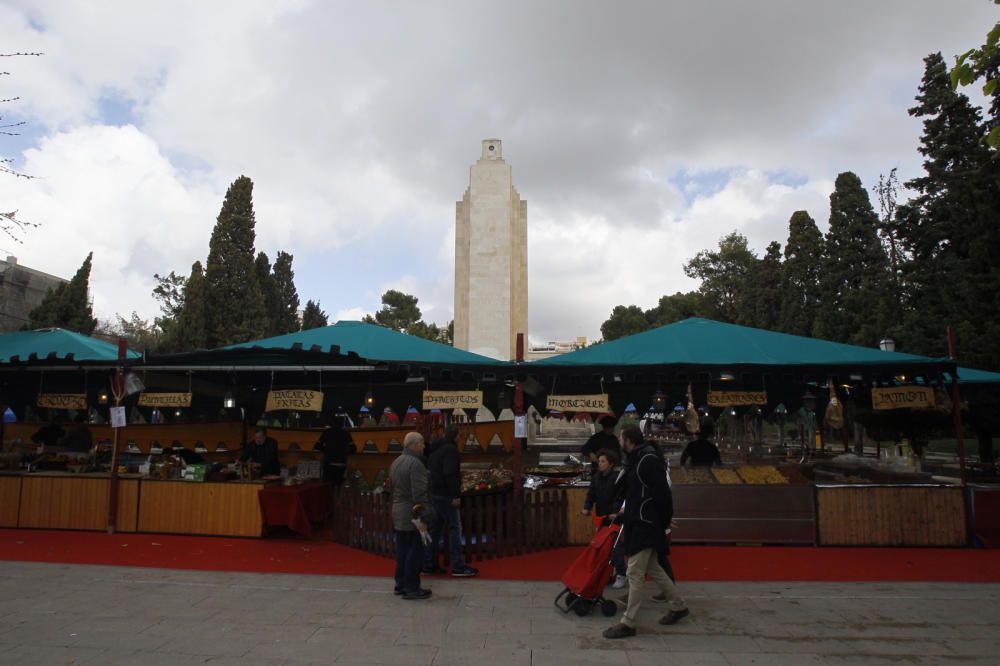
(313, 316)
(764, 307)
(68, 305)
(725, 279)
(262, 268)
(624, 320)
(800, 275)
(983, 64)
(139, 333)
(949, 232)
(674, 308)
(285, 315)
(192, 322)
(235, 305)
(399, 311)
(854, 269)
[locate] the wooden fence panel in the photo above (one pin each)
(891, 516)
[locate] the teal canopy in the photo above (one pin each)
(370, 342)
(56, 345)
(703, 342)
(970, 376)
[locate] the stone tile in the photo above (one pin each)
(773, 659)
(381, 654)
(804, 646)
(442, 639)
(560, 657)
(458, 656)
(637, 658)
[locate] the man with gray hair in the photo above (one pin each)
(408, 479)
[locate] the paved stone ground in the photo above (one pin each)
(73, 614)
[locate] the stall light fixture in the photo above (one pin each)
(856, 378)
(369, 400)
(102, 398)
(887, 345)
(228, 401)
(727, 376)
(659, 399)
(617, 377)
(177, 412)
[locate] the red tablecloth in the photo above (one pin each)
(296, 507)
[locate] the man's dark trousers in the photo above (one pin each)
(409, 556)
(446, 515)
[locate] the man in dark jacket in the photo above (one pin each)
(264, 451)
(647, 513)
(446, 490)
(336, 444)
(702, 452)
(603, 440)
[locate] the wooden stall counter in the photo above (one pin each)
(183, 507)
(63, 501)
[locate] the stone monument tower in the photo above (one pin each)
(491, 259)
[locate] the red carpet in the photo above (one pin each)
(692, 563)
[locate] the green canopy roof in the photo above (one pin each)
(704, 342)
(970, 376)
(370, 342)
(56, 345)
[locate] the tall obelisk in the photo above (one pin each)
(491, 259)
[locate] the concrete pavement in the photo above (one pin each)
(78, 614)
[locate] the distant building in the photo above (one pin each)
(21, 291)
(491, 259)
(550, 349)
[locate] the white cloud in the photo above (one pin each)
(638, 133)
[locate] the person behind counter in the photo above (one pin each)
(187, 455)
(702, 452)
(336, 444)
(603, 440)
(262, 450)
(50, 435)
(78, 439)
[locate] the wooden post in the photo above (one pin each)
(956, 411)
(518, 412)
(117, 390)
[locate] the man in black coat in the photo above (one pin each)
(336, 444)
(647, 513)
(446, 492)
(264, 451)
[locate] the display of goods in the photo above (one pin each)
(554, 470)
(691, 476)
(726, 476)
(766, 474)
(477, 481)
(795, 476)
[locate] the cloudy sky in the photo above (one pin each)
(639, 133)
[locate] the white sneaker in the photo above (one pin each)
(619, 583)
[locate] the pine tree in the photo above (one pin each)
(624, 320)
(262, 267)
(313, 316)
(285, 315)
(399, 311)
(68, 305)
(949, 229)
(233, 298)
(855, 269)
(192, 322)
(724, 275)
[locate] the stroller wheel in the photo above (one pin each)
(582, 607)
(608, 607)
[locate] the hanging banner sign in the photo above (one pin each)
(902, 397)
(300, 400)
(736, 398)
(453, 399)
(62, 400)
(597, 403)
(165, 400)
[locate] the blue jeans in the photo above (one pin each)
(408, 555)
(447, 517)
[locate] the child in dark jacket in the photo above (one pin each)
(603, 502)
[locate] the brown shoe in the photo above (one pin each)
(619, 631)
(674, 616)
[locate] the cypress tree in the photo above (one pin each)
(192, 326)
(949, 230)
(262, 267)
(233, 299)
(285, 315)
(765, 295)
(855, 269)
(800, 275)
(68, 305)
(313, 316)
